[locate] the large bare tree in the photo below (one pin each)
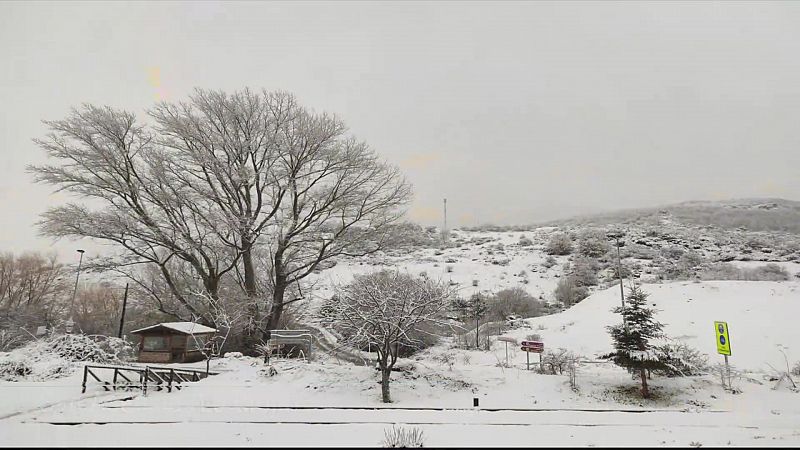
(216, 180)
(130, 197)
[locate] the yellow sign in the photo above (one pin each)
(723, 341)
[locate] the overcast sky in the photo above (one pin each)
(515, 112)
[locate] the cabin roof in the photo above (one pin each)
(180, 327)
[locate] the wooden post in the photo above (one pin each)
(171, 375)
(541, 367)
(144, 383)
(115, 378)
(85, 373)
(122, 317)
(506, 353)
(528, 357)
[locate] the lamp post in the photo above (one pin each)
(70, 322)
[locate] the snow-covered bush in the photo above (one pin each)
(559, 244)
(681, 360)
(81, 347)
(556, 361)
(513, 301)
(796, 369)
(403, 437)
(593, 244)
(524, 242)
(58, 355)
(10, 340)
(584, 271)
(569, 292)
(549, 262)
(727, 271)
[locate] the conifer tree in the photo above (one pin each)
(632, 338)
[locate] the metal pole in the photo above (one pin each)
(75, 290)
(728, 370)
(621, 290)
(528, 357)
(506, 353)
(122, 317)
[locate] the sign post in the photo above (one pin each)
(507, 340)
(724, 346)
(535, 347)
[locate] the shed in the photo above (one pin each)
(173, 342)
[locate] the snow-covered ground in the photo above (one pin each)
(334, 403)
(330, 403)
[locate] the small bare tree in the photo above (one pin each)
(224, 319)
(382, 310)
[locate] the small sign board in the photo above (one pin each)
(723, 340)
(507, 339)
(532, 346)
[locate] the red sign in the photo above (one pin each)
(533, 346)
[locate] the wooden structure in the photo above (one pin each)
(126, 377)
(173, 342)
(282, 340)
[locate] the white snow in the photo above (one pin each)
(326, 402)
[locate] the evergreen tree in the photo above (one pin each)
(473, 308)
(632, 338)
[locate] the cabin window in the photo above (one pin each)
(155, 343)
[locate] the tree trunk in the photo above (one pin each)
(643, 376)
(280, 284)
(477, 333)
(385, 373)
(277, 304)
(249, 339)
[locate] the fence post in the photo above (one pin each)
(115, 378)
(144, 384)
(171, 374)
(85, 373)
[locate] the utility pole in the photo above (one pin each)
(616, 236)
(122, 317)
(71, 322)
(444, 228)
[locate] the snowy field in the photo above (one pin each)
(327, 402)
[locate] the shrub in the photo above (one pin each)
(726, 271)
(556, 361)
(559, 244)
(681, 360)
(525, 242)
(568, 292)
(513, 301)
(584, 271)
(403, 437)
(593, 244)
(549, 262)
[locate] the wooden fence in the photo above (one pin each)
(126, 377)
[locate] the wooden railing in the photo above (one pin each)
(157, 377)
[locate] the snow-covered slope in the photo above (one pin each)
(762, 318)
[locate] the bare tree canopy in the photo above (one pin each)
(382, 310)
(214, 184)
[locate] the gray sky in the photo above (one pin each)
(516, 112)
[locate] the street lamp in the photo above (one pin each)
(616, 235)
(70, 322)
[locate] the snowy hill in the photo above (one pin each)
(761, 316)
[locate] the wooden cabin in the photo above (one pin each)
(173, 342)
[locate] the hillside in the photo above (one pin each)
(761, 318)
(761, 214)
